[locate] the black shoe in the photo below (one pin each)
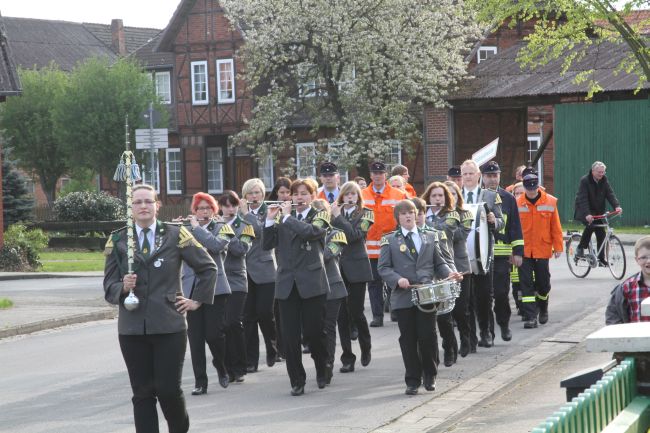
(464, 347)
(506, 334)
(530, 324)
(321, 381)
(448, 360)
(224, 381)
(199, 390)
(472, 348)
(543, 317)
(411, 390)
(365, 357)
(430, 383)
(602, 264)
(298, 390)
(305, 348)
(393, 317)
(251, 369)
(270, 360)
(486, 340)
(236, 378)
(347, 368)
(354, 333)
(377, 322)
(580, 253)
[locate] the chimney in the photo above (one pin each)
(118, 43)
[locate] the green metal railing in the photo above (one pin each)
(592, 410)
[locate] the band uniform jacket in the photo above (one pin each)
(451, 223)
(335, 243)
(509, 240)
(396, 261)
(260, 264)
(299, 253)
(493, 202)
(235, 262)
(215, 238)
(445, 250)
(355, 264)
(159, 279)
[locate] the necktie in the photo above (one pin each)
(146, 248)
(330, 197)
(299, 217)
(470, 198)
(411, 245)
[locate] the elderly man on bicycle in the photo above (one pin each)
(592, 193)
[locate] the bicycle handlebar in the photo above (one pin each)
(607, 214)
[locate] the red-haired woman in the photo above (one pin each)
(206, 324)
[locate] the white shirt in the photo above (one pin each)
(151, 236)
(417, 241)
(474, 191)
(348, 212)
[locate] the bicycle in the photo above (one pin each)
(614, 251)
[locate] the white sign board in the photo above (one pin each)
(143, 138)
(486, 153)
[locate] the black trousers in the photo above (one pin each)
(259, 310)
(308, 315)
(278, 328)
(417, 339)
(535, 280)
(207, 324)
(332, 309)
(446, 329)
(351, 313)
(502, 270)
(235, 344)
(155, 365)
(376, 291)
(600, 238)
(482, 294)
(461, 311)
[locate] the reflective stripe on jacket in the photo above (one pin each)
(382, 205)
(540, 224)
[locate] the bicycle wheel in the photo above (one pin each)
(578, 266)
(615, 256)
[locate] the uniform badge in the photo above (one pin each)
(157, 263)
(402, 248)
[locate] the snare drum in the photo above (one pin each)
(479, 241)
(441, 296)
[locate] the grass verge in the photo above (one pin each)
(72, 261)
(5, 303)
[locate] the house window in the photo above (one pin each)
(306, 160)
(225, 81)
(310, 81)
(162, 81)
(214, 156)
(335, 154)
(485, 52)
(199, 82)
(174, 171)
(146, 170)
(533, 145)
(347, 78)
(394, 156)
(265, 170)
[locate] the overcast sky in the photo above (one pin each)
(134, 13)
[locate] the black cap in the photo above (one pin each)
(378, 166)
(490, 167)
(531, 181)
(328, 168)
(528, 170)
(454, 172)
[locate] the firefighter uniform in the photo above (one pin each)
(540, 222)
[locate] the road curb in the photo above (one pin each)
(28, 328)
(42, 276)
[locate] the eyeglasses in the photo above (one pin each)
(141, 202)
(204, 208)
(643, 259)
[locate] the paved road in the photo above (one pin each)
(73, 379)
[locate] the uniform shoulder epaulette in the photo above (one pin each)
(185, 239)
(248, 231)
(452, 218)
(173, 223)
(497, 199)
(442, 236)
(368, 214)
(112, 238)
(321, 219)
(339, 237)
(384, 240)
(226, 232)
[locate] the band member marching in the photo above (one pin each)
(207, 323)
(301, 281)
(349, 215)
(260, 266)
(235, 267)
(411, 256)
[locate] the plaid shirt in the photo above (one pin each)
(635, 291)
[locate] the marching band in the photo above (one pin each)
(298, 264)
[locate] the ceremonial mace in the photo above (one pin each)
(129, 172)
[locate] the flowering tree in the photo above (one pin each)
(355, 72)
(568, 29)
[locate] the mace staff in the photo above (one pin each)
(128, 171)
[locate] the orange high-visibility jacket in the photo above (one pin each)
(382, 206)
(540, 224)
(410, 191)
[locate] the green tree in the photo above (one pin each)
(17, 204)
(29, 126)
(567, 29)
(359, 70)
(89, 117)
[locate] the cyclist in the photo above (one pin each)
(593, 191)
